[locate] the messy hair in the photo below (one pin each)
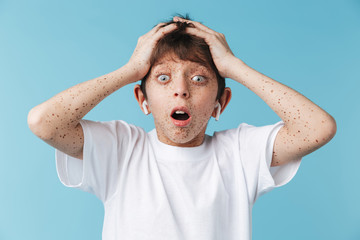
(188, 48)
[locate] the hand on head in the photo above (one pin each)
(140, 59)
(220, 50)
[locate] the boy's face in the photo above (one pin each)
(182, 97)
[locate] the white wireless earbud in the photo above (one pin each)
(218, 106)
(144, 106)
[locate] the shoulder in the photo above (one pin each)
(109, 125)
(257, 132)
(247, 134)
(110, 130)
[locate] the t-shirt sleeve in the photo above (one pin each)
(256, 150)
(106, 147)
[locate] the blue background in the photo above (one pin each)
(49, 46)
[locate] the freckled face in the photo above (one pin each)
(183, 87)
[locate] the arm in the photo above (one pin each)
(57, 120)
(307, 126)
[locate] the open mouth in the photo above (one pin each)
(180, 115)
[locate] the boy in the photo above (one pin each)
(176, 182)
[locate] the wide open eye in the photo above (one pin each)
(163, 78)
(198, 78)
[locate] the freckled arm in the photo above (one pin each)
(307, 126)
(56, 121)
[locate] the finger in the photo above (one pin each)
(212, 40)
(196, 24)
(157, 28)
(199, 33)
(165, 30)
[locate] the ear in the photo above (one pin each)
(140, 98)
(224, 100)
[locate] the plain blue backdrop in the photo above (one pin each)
(49, 46)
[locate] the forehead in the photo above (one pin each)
(171, 60)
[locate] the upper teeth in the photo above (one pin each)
(180, 112)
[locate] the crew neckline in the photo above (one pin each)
(174, 153)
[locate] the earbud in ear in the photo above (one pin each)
(144, 106)
(218, 106)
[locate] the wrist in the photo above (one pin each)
(235, 67)
(136, 70)
(131, 73)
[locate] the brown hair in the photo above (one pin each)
(186, 47)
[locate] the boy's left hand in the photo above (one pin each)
(220, 50)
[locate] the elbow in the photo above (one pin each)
(38, 124)
(329, 130)
(332, 127)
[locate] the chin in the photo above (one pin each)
(181, 138)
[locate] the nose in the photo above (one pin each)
(181, 89)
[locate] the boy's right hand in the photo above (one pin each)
(140, 59)
(57, 120)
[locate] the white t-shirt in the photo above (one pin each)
(154, 191)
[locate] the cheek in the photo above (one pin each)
(203, 108)
(206, 99)
(158, 101)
